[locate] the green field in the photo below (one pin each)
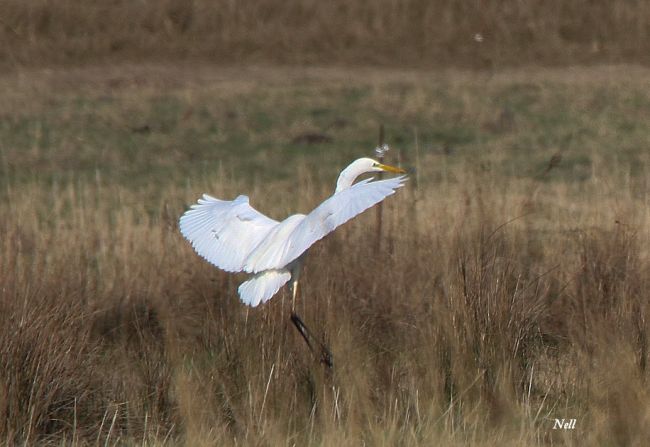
(510, 288)
(134, 125)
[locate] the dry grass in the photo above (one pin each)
(498, 303)
(414, 33)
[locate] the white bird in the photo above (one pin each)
(235, 237)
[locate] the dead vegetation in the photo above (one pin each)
(498, 303)
(473, 326)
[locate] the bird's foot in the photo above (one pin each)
(326, 357)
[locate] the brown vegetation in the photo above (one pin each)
(499, 301)
(485, 316)
(415, 33)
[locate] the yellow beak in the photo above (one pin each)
(388, 168)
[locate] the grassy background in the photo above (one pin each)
(142, 124)
(385, 32)
(511, 287)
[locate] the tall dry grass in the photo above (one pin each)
(416, 32)
(490, 311)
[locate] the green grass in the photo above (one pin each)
(135, 135)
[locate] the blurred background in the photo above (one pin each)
(411, 33)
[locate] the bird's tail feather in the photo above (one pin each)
(262, 286)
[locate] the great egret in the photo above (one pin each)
(235, 237)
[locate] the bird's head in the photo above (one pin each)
(370, 165)
(363, 166)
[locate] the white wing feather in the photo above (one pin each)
(330, 214)
(261, 287)
(225, 232)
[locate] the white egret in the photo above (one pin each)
(235, 237)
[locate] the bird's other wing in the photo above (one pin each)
(225, 232)
(261, 287)
(333, 212)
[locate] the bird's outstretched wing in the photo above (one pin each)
(333, 212)
(225, 232)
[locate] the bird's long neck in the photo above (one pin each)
(346, 178)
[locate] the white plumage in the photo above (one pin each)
(237, 238)
(262, 286)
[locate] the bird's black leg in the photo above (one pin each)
(325, 353)
(307, 335)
